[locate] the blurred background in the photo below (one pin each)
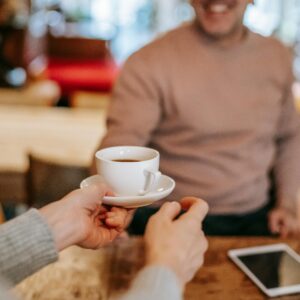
(58, 62)
(37, 35)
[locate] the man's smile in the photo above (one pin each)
(217, 6)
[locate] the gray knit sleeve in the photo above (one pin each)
(26, 245)
(152, 283)
(5, 293)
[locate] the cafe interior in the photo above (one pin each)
(59, 61)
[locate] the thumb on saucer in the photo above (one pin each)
(93, 194)
(98, 181)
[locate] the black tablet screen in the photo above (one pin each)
(273, 269)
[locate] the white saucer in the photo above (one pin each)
(164, 188)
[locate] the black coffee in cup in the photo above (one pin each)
(125, 160)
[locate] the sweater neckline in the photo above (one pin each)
(215, 44)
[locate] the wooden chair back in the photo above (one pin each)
(49, 181)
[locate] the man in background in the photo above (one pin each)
(215, 100)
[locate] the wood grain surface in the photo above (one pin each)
(65, 135)
(218, 279)
(85, 274)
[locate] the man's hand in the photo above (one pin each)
(80, 219)
(284, 222)
(177, 244)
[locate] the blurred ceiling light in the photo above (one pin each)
(54, 18)
(16, 77)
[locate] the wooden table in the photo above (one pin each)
(62, 135)
(108, 273)
(36, 93)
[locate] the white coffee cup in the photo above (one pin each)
(129, 170)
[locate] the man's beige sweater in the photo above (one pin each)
(221, 117)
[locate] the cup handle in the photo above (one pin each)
(152, 179)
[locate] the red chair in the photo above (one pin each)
(81, 64)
